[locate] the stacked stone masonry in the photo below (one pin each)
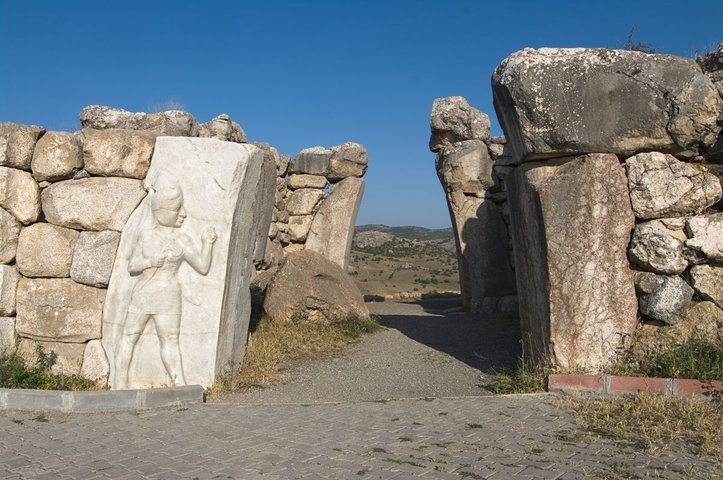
(66, 197)
(614, 193)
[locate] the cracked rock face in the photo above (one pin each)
(657, 248)
(555, 101)
(660, 185)
(453, 120)
(706, 236)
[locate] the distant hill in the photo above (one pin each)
(410, 232)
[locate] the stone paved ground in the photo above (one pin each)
(456, 438)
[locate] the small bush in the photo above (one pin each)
(15, 373)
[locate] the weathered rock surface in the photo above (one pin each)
(63, 358)
(657, 248)
(264, 206)
(17, 143)
(19, 194)
(170, 122)
(465, 167)
(308, 287)
(571, 224)
(663, 297)
(92, 203)
(57, 155)
(347, 160)
(46, 250)
(9, 232)
(558, 101)
(58, 309)
(93, 257)
(708, 282)
(282, 164)
(660, 185)
(95, 363)
(219, 186)
(304, 201)
(8, 286)
(453, 120)
(312, 161)
(299, 226)
(301, 180)
(118, 153)
(706, 235)
(8, 339)
(223, 128)
(332, 230)
(371, 239)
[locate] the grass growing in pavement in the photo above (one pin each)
(272, 345)
(650, 422)
(15, 373)
(522, 378)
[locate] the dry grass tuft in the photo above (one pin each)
(651, 422)
(272, 345)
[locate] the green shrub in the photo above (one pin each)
(15, 373)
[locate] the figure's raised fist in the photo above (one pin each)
(209, 236)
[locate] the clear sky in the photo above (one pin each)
(303, 73)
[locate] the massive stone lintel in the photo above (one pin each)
(178, 303)
(571, 224)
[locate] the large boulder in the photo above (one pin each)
(302, 180)
(453, 120)
(708, 282)
(62, 358)
(567, 101)
(58, 309)
(571, 224)
(19, 194)
(8, 339)
(304, 201)
(663, 298)
(347, 160)
(57, 155)
(118, 153)
(465, 166)
(170, 122)
(298, 227)
(308, 287)
(9, 279)
(660, 186)
(332, 230)
(17, 143)
(223, 128)
(657, 248)
(312, 161)
(9, 233)
(92, 203)
(706, 236)
(46, 250)
(95, 362)
(93, 257)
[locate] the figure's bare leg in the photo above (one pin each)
(134, 326)
(168, 328)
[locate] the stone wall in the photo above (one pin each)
(615, 205)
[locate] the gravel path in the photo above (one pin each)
(422, 352)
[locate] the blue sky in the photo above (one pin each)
(303, 73)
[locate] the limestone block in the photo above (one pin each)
(453, 120)
(184, 265)
(8, 339)
(57, 155)
(17, 143)
(663, 297)
(312, 161)
(706, 235)
(347, 160)
(92, 203)
(46, 250)
(19, 194)
(8, 286)
(264, 206)
(465, 166)
(660, 185)
(63, 358)
(332, 230)
(304, 201)
(483, 259)
(118, 153)
(282, 164)
(223, 128)
(308, 287)
(58, 309)
(95, 363)
(657, 248)
(299, 226)
(301, 180)
(9, 232)
(170, 122)
(571, 224)
(708, 282)
(93, 257)
(566, 101)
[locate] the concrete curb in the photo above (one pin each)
(98, 402)
(608, 384)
